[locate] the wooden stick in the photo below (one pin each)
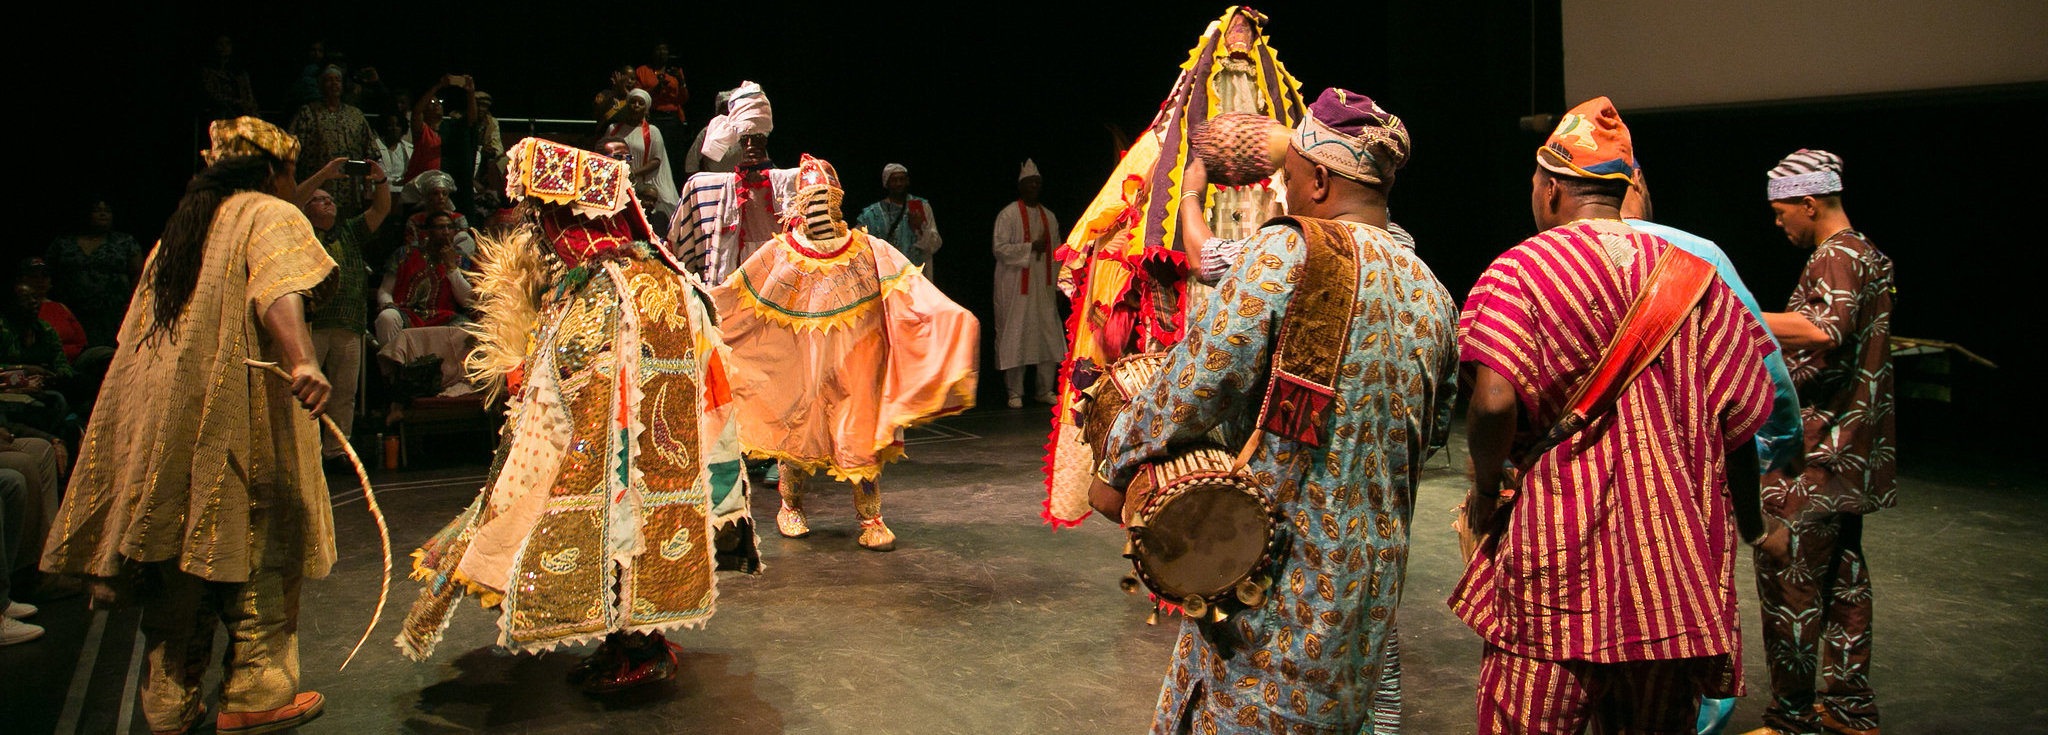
(369, 498)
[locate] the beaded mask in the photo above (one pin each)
(813, 206)
(584, 200)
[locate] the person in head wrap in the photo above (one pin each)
(735, 206)
(199, 488)
(902, 217)
(1834, 330)
(1605, 599)
(434, 191)
(618, 489)
(652, 180)
(1339, 453)
(839, 343)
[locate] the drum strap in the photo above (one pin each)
(1314, 336)
(1676, 284)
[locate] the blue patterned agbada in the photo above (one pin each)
(1310, 660)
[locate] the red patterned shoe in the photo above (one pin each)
(659, 667)
(304, 708)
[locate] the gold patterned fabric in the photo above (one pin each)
(248, 136)
(190, 453)
(619, 466)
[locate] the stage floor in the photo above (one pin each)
(984, 620)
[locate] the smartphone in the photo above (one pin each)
(355, 168)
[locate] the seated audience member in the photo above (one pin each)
(14, 529)
(88, 364)
(32, 366)
(435, 192)
(423, 282)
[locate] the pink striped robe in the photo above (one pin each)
(1621, 546)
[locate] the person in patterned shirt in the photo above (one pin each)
(1817, 603)
(1605, 592)
(1309, 659)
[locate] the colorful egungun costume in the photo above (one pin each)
(1121, 263)
(620, 464)
(839, 343)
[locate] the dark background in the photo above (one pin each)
(1945, 182)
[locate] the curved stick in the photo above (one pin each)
(369, 498)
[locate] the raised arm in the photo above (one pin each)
(380, 197)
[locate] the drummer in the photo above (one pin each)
(1311, 656)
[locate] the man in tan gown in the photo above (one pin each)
(200, 481)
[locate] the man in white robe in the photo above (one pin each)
(1028, 328)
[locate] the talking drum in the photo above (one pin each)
(1200, 533)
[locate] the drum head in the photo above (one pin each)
(1204, 541)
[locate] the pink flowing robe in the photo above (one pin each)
(838, 345)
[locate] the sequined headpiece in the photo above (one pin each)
(248, 136)
(814, 201)
(587, 202)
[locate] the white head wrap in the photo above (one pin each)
(749, 114)
(892, 170)
(642, 95)
(1028, 170)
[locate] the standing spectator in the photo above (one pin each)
(428, 114)
(95, 272)
(652, 179)
(490, 145)
(306, 88)
(339, 323)
(366, 90)
(435, 192)
(331, 128)
(423, 283)
(903, 219)
(226, 84)
(664, 83)
(613, 101)
(394, 144)
(1028, 331)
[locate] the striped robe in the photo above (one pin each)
(1620, 546)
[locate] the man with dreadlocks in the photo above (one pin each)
(838, 344)
(618, 488)
(200, 484)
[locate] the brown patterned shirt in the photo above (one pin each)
(1846, 391)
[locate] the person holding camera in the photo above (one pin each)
(339, 324)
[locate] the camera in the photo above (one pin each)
(356, 168)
